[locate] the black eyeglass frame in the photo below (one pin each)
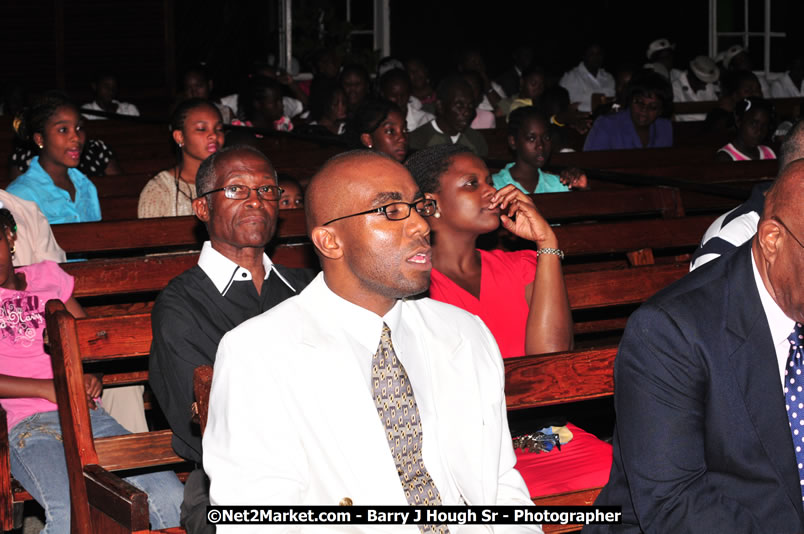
(384, 210)
(778, 220)
(278, 189)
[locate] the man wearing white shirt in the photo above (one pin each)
(697, 84)
(588, 78)
(322, 435)
(790, 84)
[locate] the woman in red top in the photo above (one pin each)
(519, 295)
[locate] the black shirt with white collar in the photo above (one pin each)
(190, 317)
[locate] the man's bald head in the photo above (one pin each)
(327, 195)
(779, 242)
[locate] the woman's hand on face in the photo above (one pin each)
(519, 216)
(574, 178)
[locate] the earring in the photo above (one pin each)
(371, 146)
(13, 249)
(437, 215)
(41, 147)
(181, 145)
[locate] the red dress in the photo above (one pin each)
(585, 461)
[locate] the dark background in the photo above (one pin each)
(62, 44)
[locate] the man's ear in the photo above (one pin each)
(201, 208)
(768, 232)
(326, 241)
(178, 137)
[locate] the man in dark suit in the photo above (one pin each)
(703, 440)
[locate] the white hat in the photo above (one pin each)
(658, 45)
(732, 52)
(705, 69)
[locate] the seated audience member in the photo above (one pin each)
(707, 436)
(379, 125)
(197, 130)
(530, 139)
(588, 78)
(642, 124)
(292, 193)
(753, 117)
(790, 84)
(696, 84)
(509, 80)
(292, 106)
(735, 87)
(327, 111)
(622, 77)
(196, 83)
(520, 296)
(395, 86)
(421, 86)
(491, 93)
(28, 396)
(33, 238)
(97, 159)
(555, 103)
(355, 83)
(349, 331)
(662, 52)
(105, 87)
(736, 58)
(529, 93)
(62, 192)
(454, 113)
(326, 64)
(737, 226)
(484, 119)
(260, 105)
(233, 281)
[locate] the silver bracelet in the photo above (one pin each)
(556, 251)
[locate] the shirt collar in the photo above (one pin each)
(454, 138)
(780, 324)
(360, 324)
(223, 271)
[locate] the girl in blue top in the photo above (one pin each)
(529, 139)
(64, 194)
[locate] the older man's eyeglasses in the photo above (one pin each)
(396, 211)
(242, 192)
(778, 220)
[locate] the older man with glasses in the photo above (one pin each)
(234, 280)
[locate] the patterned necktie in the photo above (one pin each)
(794, 396)
(396, 406)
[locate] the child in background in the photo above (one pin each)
(292, 193)
(28, 396)
(197, 131)
(753, 117)
(530, 139)
(531, 89)
(196, 83)
(62, 192)
(260, 105)
(380, 126)
(484, 119)
(105, 87)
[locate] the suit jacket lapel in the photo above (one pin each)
(757, 373)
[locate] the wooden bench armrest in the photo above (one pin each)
(131, 451)
(119, 500)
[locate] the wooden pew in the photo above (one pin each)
(100, 501)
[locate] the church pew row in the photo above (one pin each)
(153, 235)
(101, 498)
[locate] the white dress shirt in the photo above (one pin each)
(416, 115)
(682, 92)
(317, 437)
(783, 87)
(581, 85)
(781, 326)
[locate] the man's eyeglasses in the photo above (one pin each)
(242, 192)
(778, 220)
(396, 211)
